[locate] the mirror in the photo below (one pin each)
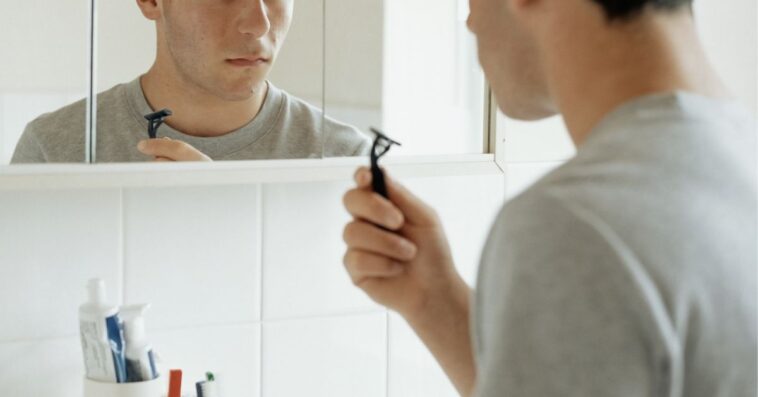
(45, 69)
(408, 69)
(306, 88)
(211, 70)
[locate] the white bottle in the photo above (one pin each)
(140, 362)
(102, 338)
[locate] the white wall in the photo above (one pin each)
(729, 30)
(244, 280)
(44, 58)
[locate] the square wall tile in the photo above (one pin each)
(231, 353)
(467, 206)
(303, 249)
(413, 370)
(520, 176)
(194, 254)
(42, 368)
(326, 357)
(51, 243)
(546, 140)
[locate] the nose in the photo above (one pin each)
(254, 19)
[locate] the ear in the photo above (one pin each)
(150, 9)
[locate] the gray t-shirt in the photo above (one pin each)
(285, 128)
(631, 269)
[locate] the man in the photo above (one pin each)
(628, 271)
(210, 70)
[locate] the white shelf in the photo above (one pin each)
(132, 175)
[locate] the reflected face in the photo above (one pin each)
(510, 59)
(224, 47)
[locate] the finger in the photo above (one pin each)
(367, 237)
(363, 264)
(414, 210)
(362, 177)
(374, 208)
(168, 148)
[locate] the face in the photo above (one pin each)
(510, 58)
(223, 47)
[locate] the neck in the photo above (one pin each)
(196, 111)
(609, 65)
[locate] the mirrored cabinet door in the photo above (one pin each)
(408, 69)
(242, 80)
(43, 81)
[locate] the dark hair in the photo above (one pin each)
(626, 9)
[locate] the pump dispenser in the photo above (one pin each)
(140, 361)
(102, 339)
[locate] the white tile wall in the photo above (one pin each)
(303, 252)
(50, 244)
(341, 356)
(290, 325)
(231, 353)
(194, 253)
(454, 199)
(42, 368)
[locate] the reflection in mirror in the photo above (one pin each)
(409, 69)
(44, 68)
(217, 66)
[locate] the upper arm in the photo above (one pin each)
(558, 312)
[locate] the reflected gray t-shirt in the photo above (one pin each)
(285, 128)
(631, 269)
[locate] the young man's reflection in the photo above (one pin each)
(212, 61)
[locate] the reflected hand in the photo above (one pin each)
(167, 149)
(398, 252)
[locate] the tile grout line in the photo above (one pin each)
(121, 263)
(260, 242)
(387, 354)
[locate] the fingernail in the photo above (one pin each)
(394, 220)
(141, 145)
(408, 247)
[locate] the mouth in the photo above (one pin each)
(248, 61)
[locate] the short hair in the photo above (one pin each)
(627, 9)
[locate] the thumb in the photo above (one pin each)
(415, 211)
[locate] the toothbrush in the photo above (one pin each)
(208, 388)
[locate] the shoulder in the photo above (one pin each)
(340, 139)
(59, 136)
(344, 140)
(71, 118)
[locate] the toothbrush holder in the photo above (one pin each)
(153, 388)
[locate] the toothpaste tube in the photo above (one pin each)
(140, 361)
(102, 337)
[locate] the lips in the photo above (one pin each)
(248, 61)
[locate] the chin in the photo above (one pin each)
(241, 92)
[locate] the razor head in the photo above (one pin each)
(380, 136)
(155, 120)
(161, 114)
(382, 144)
